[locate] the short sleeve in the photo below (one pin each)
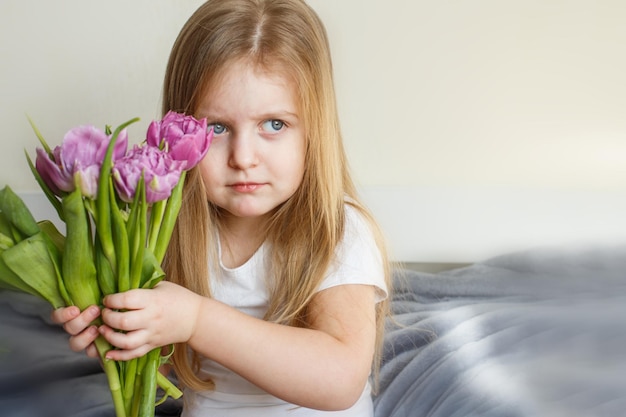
(358, 259)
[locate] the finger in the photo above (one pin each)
(91, 351)
(125, 341)
(128, 300)
(126, 355)
(84, 339)
(123, 320)
(64, 314)
(129, 345)
(84, 319)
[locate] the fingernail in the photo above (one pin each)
(94, 311)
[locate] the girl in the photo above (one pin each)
(277, 275)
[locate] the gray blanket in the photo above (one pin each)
(540, 333)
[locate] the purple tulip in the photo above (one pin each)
(161, 173)
(183, 137)
(54, 175)
(76, 162)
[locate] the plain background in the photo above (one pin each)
(473, 127)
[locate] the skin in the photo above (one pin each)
(255, 163)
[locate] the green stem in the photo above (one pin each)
(156, 217)
(138, 386)
(103, 222)
(149, 377)
(119, 233)
(169, 219)
(167, 386)
(113, 376)
(130, 372)
(139, 235)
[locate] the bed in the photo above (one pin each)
(532, 333)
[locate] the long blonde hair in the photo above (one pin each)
(305, 230)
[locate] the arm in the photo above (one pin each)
(325, 366)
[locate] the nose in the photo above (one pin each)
(243, 151)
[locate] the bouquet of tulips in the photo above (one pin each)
(119, 207)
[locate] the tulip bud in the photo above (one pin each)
(183, 137)
(160, 173)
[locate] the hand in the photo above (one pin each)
(78, 325)
(149, 318)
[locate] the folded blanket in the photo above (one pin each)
(538, 333)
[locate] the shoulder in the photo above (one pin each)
(358, 230)
(354, 216)
(358, 259)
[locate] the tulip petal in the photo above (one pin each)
(53, 174)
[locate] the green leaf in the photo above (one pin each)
(78, 267)
(5, 226)
(39, 136)
(6, 242)
(56, 245)
(106, 276)
(56, 237)
(9, 280)
(17, 212)
(31, 261)
(152, 273)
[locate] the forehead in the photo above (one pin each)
(243, 90)
(238, 78)
(268, 68)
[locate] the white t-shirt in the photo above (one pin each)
(358, 261)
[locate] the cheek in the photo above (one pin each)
(301, 163)
(208, 170)
(298, 167)
(296, 170)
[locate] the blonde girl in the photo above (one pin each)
(277, 275)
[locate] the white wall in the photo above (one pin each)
(473, 127)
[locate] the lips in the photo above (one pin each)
(246, 187)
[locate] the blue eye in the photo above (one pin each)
(273, 125)
(218, 128)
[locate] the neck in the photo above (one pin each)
(240, 238)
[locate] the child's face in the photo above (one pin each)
(256, 160)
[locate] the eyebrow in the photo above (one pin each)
(272, 114)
